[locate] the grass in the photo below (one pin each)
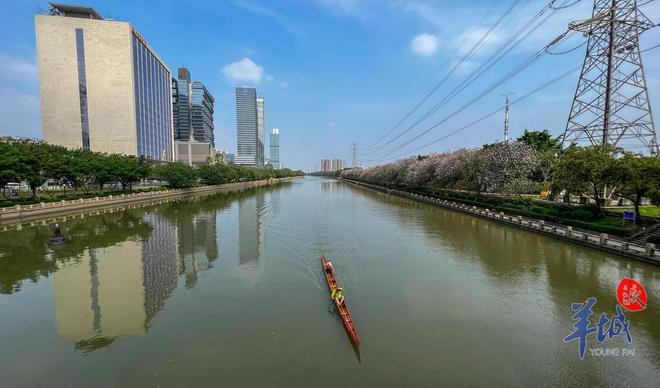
(647, 211)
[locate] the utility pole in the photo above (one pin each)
(611, 106)
(506, 119)
(354, 152)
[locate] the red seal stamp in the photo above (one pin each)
(631, 295)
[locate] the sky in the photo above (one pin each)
(337, 72)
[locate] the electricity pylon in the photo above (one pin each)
(611, 105)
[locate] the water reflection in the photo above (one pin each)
(119, 269)
(116, 290)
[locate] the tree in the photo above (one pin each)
(641, 177)
(32, 160)
(128, 169)
(8, 164)
(546, 148)
(177, 174)
(589, 169)
(540, 141)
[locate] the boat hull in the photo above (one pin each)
(342, 308)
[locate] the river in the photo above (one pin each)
(227, 290)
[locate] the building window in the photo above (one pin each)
(82, 87)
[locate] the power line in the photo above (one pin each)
(455, 67)
(488, 115)
(500, 53)
(518, 69)
(467, 37)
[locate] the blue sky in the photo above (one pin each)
(333, 72)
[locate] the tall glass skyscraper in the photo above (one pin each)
(275, 148)
(261, 129)
(247, 148)
(192, 109)
(102, 87)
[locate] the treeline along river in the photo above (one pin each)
(227, 290)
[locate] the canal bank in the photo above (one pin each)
(206, 290)
(19, 214)
(602, 241)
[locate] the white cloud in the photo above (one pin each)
(424, 45)
(244, 70)
(17, 68)
(331, 124)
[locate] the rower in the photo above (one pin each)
(329, 267)
(57, 231)
(337, 294)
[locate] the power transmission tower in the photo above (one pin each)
(611, 105)
(354, 151)
(506, 119)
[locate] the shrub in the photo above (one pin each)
(582, 214)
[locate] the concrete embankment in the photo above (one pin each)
(19, 214)
(601, 241)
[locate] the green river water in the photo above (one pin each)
(227, 290)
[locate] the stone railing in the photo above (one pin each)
(601, 241)
(27, 212)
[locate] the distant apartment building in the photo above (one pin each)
(337, 164)
(192, 112)
(247, 144)
(261, 128)
(275, 148)
(102, 87)
(326, 165)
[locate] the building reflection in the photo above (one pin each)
(251, 229)
(198, 245)
(115, 291)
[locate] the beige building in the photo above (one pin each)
(102, 87)
(337, 164)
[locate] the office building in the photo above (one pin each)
(102, 87)
(275, 148)
(326, 165)
(192, 112)
(261, 128)
(247, 148)
(337, 164)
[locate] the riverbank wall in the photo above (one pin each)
(41, 211)
(600, 241)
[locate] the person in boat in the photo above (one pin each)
(337, 294)
(57, 231)
(329, 267)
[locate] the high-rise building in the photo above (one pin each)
(337, 164)
(326, 165)
(261, 128)
(247, 147)
(275, 148)
(192, 111)
(102, 87)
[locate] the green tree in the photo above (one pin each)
(9, 162)
(589, 169)
(641, 177)
(177, 174)
(540, 140)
